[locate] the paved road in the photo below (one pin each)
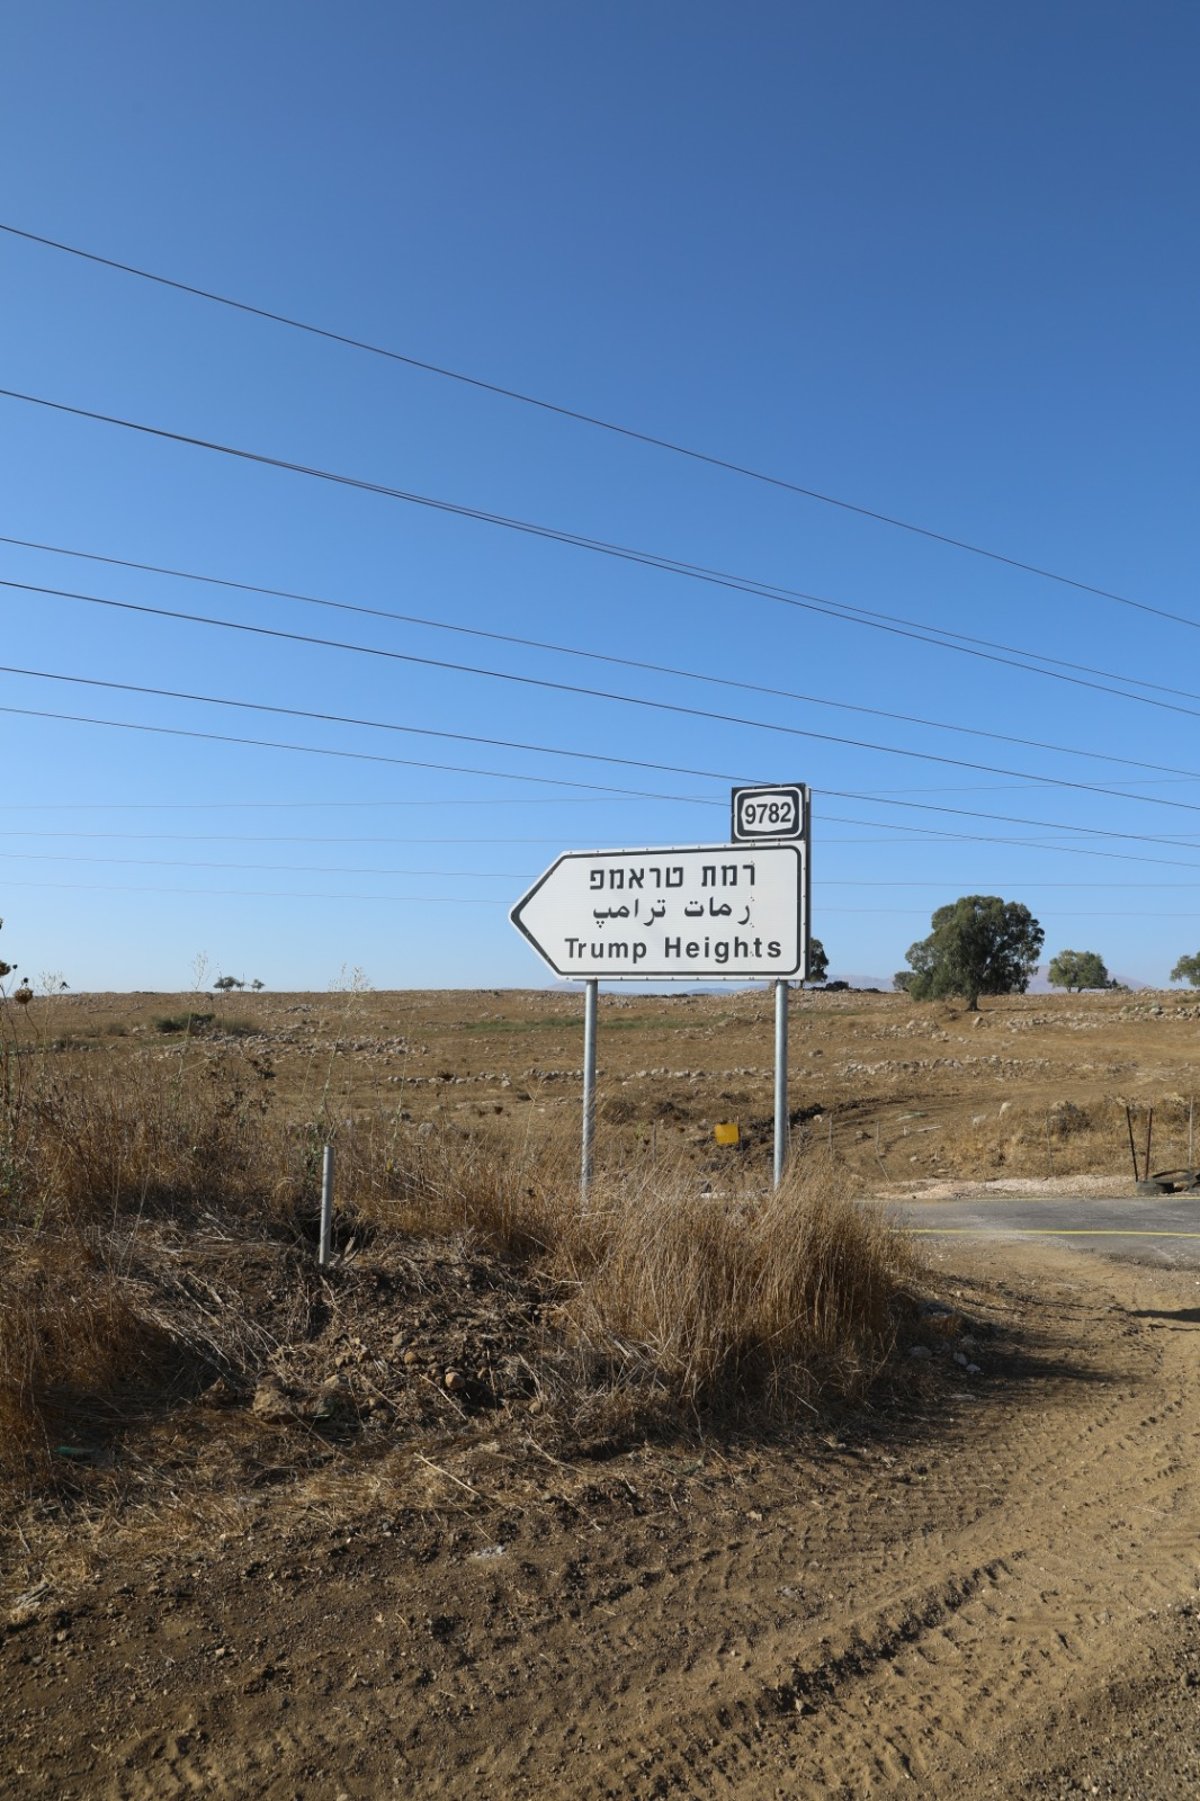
(1164, 1230)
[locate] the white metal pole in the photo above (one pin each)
(781, 1079)
(590, 993)
(326, 1206)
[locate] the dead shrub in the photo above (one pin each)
(157, 1138)
(515, 1198)
(69, 1341)
(158, 1240)
(765, 1303)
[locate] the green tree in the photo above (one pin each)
(1078, 969)
(227, 983)
(979, 944)
(818, 962)
(1187, 970)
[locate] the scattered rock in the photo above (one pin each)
(272, 1402)
(333, 1402)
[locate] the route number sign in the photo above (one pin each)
(770, 813)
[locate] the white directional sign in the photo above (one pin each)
(697, 913)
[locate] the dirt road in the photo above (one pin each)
(995, 1594)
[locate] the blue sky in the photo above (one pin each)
(936, 260)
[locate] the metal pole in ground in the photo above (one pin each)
(326, 1207)
(781, 1080)
(590, 993)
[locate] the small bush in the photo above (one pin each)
(183, 1022)
(236, 1028)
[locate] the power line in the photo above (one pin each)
(466, 901)
(210, 806)
(259, 838)
(378, 725)
(927, 834)
(973, 883)
(321, 750)
(607, 425)
(547, 750)
(977, 884)
(1004, 818)
(855, 615)
(533, 681)
(947, 640)
(470, 631)
(468, 875)
(914, 836)
(441, 900)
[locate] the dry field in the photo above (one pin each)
(521, 1500)
(1031, 1086)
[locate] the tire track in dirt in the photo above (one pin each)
(887, 1627)
(1084, 1555)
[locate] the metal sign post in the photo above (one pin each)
(760, 815)
(692, 913)
(781, 1080)
(590, 996)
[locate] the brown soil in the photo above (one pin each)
(979, 1585)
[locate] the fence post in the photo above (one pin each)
(326, 1207)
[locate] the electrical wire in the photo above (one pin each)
(593, 756)
(258, 838)
(459, 900)
(916, 837)
(441, 900)
(567, 650)
(322, 750)
(974, 884)
(709, 715)
(468, 875)
(606, 425)
(379, 725)
(948, 640)
(210, 806)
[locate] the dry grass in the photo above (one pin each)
(158, 1224)
(771, 1301)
